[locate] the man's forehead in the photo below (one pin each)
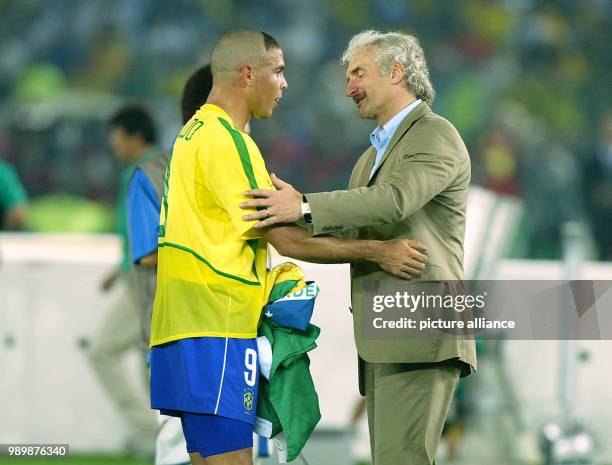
(274, 56)
(362, 58)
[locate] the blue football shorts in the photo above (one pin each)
(212, 434)
(207, 375)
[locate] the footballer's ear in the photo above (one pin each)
(246, 75)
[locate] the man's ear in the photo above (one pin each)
(246, 75)
(397, 73)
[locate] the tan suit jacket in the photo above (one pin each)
(418, 191)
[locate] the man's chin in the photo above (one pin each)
(363, 113)
(263, 115)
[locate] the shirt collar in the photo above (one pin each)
(220, 111)
(383, 134)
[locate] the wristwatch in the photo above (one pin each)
(306, 213)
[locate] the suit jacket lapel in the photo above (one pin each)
(361, 176)
(421, 110)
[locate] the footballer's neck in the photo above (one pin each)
(232, 103)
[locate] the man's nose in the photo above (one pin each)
(284, 84)
(351, 89)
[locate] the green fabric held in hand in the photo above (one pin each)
(289, 400)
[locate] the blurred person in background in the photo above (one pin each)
(412, 181)
(144, 193)
(13, 199)
(133, 140)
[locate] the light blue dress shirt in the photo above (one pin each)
(381, 136)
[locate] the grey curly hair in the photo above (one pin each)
(391, 47)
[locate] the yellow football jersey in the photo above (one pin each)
(211, 264)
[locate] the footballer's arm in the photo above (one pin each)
(401, 257)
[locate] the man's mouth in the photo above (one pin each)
(358, 99)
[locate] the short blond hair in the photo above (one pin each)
(237, 48)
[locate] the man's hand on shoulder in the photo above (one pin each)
(283, 205)
(403, 258)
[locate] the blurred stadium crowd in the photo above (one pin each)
(526, 82)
